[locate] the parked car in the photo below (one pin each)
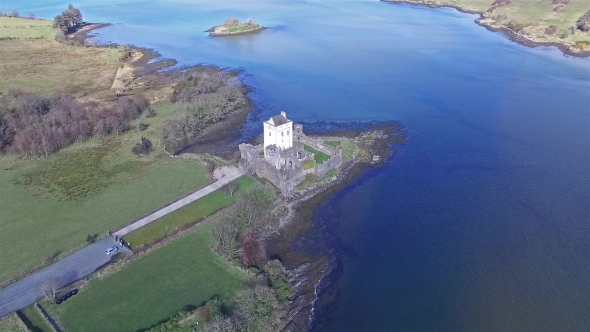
(112, 250)
(74, 291)
(58, 301)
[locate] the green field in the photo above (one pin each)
(50, 205)
(333, 143)
(318, 156)
(32, 318)
(348, 149)
(10, 324)
(185, 273)
(198, 209)
(535, 15)
(25, 28)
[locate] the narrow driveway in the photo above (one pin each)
(74, 267)
(229, 173)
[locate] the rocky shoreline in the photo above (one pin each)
(490, 25)
(306, 274)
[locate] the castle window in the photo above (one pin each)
(269, 133)
(287, 133)
(282, 133)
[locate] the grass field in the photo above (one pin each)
(32, 318)
(44, 65)
(537, 15)
(25, 28)
(318, 156)
(348, 149)
(107, 191)
(192, 212)
(333, 143)
(183, 274)
(10, 325)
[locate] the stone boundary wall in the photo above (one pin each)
(52, 324)
(46, 263)
(20, 322)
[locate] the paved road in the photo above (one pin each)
(230, 173)
(74, 267)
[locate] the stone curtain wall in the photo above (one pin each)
(253, 162)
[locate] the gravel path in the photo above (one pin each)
(228, 174)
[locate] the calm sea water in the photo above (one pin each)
(481, 221)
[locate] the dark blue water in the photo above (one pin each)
(480, 222)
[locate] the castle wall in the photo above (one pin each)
(284, 167)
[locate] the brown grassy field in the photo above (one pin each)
(44, 65)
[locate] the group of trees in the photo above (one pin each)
(257, 309)
(201, 100)
(34, 125)
(14, 13)
(69, 20)
(249, 208)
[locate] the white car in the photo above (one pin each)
(112, 250)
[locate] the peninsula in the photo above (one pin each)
(233, 26)
(78, 148)
(532, 23)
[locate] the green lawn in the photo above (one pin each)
(10, 325)
(198, 209)
(333, 143)
(348, 149)
(50, 205)
(32, 318)
(185, 273)
(318, 156)
(25, 28)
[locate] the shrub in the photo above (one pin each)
(551, 30)
(143, 147)
(278, 279)
(143, 126)
(308, 165)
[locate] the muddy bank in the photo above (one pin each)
(85, 31)
(309, 272)
(528, 41)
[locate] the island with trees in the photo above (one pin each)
(233, 26)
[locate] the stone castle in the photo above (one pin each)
(284, 157)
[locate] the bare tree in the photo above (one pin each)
(245, 212)
(225, 235)
(231, 22)
(232, 187)
(50, 288)
(225, 190)
(221, 324)
(258, 309)
(14, 13)
(31, 16)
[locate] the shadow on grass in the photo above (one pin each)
(34, 327)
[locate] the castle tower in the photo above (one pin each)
(278, 131)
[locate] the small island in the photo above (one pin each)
(233, 26)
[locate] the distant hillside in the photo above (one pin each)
(564, 23)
